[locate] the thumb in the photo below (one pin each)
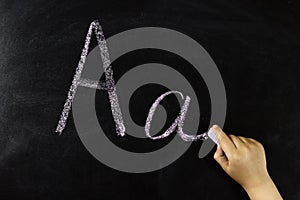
(220, 157)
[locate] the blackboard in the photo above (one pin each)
(255, 45)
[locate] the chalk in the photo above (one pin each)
(108, 85)
(212, 136)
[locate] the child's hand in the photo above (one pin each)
(243, 159)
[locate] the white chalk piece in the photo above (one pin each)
(212, 136)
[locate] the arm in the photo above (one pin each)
(243, 159)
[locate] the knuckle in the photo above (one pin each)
(232, 136)
(258, 144)
(251, 146)
(215, 156)
(240, 137)
(261, 146)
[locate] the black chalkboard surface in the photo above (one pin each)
(255, 45)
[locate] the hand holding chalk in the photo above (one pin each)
(243, 159)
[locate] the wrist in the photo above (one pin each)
(265, 190)
(261, 182)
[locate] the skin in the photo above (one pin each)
(243, 159)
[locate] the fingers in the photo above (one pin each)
(253, 141)
(243, 139)
(247, 140)
(225, 142)
(236, 141)
(220, 157)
